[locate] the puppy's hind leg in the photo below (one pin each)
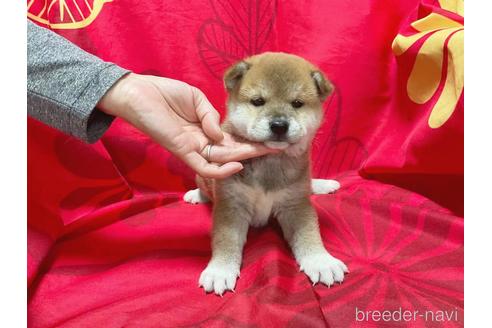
(195, 196)
(299, 224)
(324, 186)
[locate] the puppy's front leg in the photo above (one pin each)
(299, 224)
(229, 232)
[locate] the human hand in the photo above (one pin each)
(180, 118)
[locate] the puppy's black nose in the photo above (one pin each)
(279, 127)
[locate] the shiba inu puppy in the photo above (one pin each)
(275, 99)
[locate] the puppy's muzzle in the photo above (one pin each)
(279, 127)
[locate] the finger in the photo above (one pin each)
(209, 170)
(224, 154)
(208, 116)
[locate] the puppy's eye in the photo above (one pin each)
(297, 104)
(258, 102)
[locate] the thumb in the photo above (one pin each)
(208, 116)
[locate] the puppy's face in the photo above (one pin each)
(276, 98)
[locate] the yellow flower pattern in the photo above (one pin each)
(425, 78)
(70, 14)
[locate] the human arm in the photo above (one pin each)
(64, 84)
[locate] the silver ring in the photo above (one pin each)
(209, 150)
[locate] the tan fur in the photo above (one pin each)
(274, 185)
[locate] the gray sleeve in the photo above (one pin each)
(64, 84)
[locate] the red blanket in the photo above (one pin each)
(112, 244)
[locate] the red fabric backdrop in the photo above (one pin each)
(111, 243)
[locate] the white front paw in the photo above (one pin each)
(324, 186)
(323, 268)
(219, 277)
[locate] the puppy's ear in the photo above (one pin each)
(325, 88)
(234, 74)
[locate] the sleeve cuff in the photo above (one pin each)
(86, 121)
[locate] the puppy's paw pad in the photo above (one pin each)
(195, 196)
(324, 186)
(323, 268)
(219, 278)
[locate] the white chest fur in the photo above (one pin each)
(262, 208)
(263, 204)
